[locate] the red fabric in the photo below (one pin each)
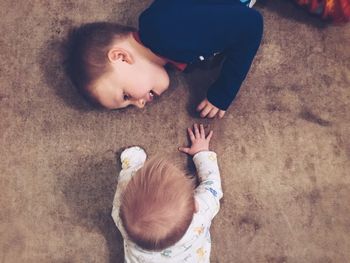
(337, 10)
(178, 65)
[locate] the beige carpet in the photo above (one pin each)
(283, 146)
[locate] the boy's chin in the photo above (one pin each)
(165, 82)
(166, 85)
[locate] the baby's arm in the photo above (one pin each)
(132, 159)
(209, 192)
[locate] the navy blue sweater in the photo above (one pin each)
(190, 30)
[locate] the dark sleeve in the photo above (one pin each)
(239, 56)
(185, 30)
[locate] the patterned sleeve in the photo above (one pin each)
(209, 192)
(132, 159)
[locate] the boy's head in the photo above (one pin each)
(112, 69)
(157, 205)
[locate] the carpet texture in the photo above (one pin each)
(283, 146)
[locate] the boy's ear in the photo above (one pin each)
(119, 54)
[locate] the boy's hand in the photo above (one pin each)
(209, 110)
(198, 140)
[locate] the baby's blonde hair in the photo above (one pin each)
(157, 205)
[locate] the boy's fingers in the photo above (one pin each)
(196, 131)
(205, 111)
(221, 113)
(184, 149)
(210, 135)
(190, 133)
(213, 113)
(202, 132)
(201, 105)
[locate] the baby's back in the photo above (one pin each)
(194, 246)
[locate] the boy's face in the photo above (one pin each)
(130, 82)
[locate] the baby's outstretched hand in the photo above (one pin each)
(208, 110)
(199, 142)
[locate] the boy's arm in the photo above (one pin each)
(240, 53)
(132, 159)
(206, 27)
(209, 191)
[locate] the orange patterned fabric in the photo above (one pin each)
(336, 10)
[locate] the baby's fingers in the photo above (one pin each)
(190, 133)
(201, 130)
(196, 131)
(210, 135)
(184, 149)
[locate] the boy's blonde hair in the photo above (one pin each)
(157, 205)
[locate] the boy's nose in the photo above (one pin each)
(140, 103)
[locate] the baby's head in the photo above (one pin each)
(157, 205)
(110, 68)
